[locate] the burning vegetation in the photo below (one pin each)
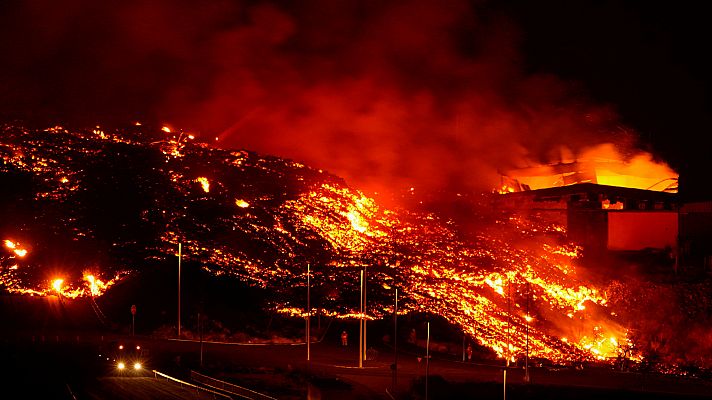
(89, 218)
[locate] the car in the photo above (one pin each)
(124, 357)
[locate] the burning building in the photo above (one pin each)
(606, 205)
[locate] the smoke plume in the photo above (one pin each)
(389, 95)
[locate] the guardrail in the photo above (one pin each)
(229, 387)
(196, 387)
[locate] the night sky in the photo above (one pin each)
(436, 95)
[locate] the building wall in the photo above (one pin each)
(638, 230)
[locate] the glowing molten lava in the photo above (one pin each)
(514, 284)
(204, 182)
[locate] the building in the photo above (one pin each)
(605, 218)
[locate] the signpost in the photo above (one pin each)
(133, 319)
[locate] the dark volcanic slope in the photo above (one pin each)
(110, 203)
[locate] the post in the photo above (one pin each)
(527, 378)
(463, 346)
(200, 330)
(308, 312)
(360, 330)
(508, 354)
(427, 360)
(179, 260)
(395, 343)
(365, 311)
(133, 319)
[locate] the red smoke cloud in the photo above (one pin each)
(388, 95)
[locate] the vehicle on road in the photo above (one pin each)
(124, 357)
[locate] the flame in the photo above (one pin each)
(15, 247)
(241, 203)
(603, 164)
(204, 182)
(96, 286)
(166, 129)
(57, 285)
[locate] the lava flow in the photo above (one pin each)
(514, 287)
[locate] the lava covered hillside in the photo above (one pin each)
(83, 209)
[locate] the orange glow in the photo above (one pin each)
(205, 183)
(607, 205)
(96, 286)
(446, 276)
(57, 285)
(242, 203)
(603, 164)
(15, 247)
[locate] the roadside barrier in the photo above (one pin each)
(156, 374)
(228, 387)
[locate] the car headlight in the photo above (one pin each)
(121, 365)
(137, 366)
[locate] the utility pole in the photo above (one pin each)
(179, 260)
(463, 346)
(527, 378)
(507, 353)
(133, 319)
(360, 325)
(395, 342)
(200, 330)
(427, 360)
(308, 312)
(365, 311)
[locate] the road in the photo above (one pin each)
(68, 367)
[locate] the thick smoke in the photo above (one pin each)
(389, 95)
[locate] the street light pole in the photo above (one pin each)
(395, 343)
(179, 260)
(308, 312)
(526, 362)
(508, 353)
(360, 326)
(200, 330)
(427, 360)
(365, 311)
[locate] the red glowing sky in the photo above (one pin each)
(389, 95)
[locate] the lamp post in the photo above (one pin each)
(308, 312)
(427, 360)
(508, 353)
(360, 326)
(395, 342)
(133, 319)
(527, 378)
(365, 311)
(179, 260)
(200, 330)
